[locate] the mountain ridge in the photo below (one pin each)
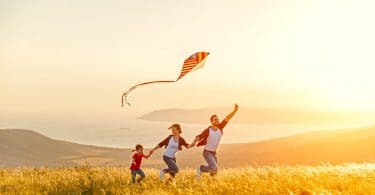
(28, 148)
(259, 115)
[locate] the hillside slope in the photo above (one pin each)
(28, 148)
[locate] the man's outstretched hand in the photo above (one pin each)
(235, 107)
(230, 115)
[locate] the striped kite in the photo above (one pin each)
(191, 64)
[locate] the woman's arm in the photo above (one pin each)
(156, 147)
(184, 143)
(187, 145)
(190, 145)
(149, 154)
(162, 143)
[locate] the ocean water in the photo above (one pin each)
(127, 132)
(148, 133)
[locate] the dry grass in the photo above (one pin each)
(322, 179)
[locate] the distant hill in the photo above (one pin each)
(28, 148)
(352, 145)
(260, 116)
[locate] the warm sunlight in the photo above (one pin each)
(282, 54)
(187, 97)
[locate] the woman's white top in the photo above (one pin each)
(172, 148)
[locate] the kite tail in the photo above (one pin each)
(123, 99)
(125, 95)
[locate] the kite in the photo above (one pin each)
(192, 63)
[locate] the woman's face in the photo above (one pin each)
(175, 131)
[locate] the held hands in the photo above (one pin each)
(191, 145)
(149, 154)
(194, 142)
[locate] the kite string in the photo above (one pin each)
(125, 95)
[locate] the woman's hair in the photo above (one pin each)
(137, 147)
(177, 126)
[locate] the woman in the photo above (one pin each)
(172, 143)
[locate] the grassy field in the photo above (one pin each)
(320, 179)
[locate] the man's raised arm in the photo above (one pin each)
(230, 115)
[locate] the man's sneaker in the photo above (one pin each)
(161, 174)
(199, 172)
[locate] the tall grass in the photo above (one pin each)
(322, 179)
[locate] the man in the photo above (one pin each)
(210, 138)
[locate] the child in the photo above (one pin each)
(136, 164)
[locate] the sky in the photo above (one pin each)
(72, 60)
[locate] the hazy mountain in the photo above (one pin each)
(261, 116)
(28, 148)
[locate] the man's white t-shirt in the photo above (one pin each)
(213, 140)
(172, 148)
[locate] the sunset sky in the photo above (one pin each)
(76, 58)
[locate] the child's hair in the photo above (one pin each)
(137, 147)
